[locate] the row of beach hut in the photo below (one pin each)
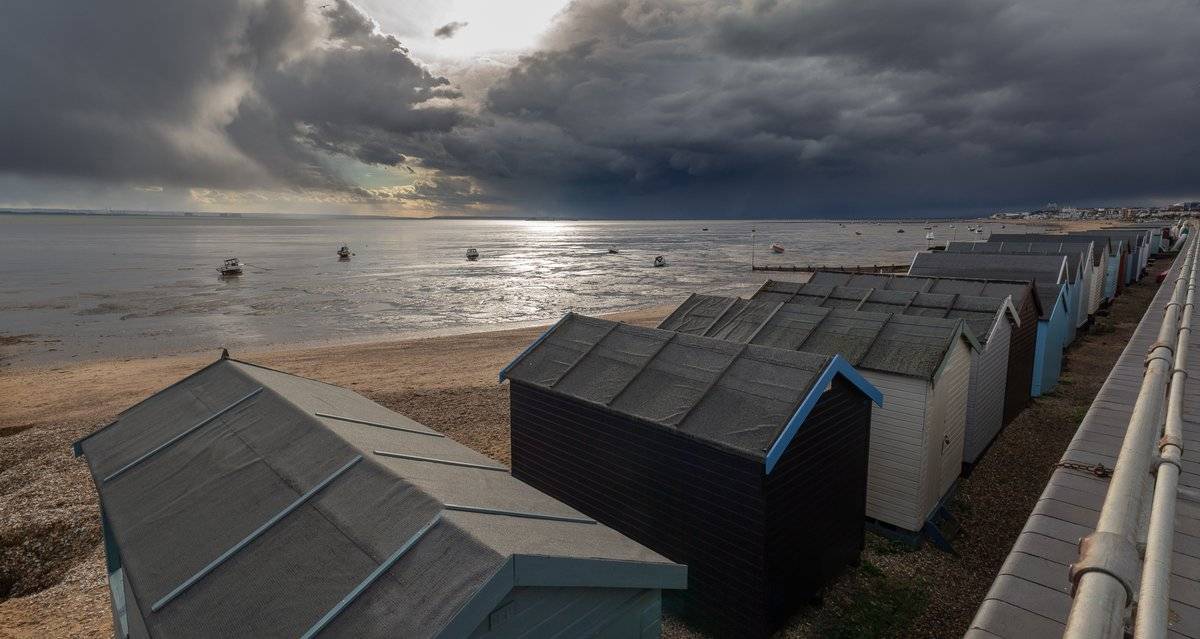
(707, 439)
(728, 457)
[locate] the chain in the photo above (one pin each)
(1099, 470)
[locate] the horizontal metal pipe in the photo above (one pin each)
(1100, 597)
(1154, 595)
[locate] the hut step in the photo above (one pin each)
(941, 528)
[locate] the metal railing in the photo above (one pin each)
(1106, 575)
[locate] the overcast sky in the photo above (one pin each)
(612, 108)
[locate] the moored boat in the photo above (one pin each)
(777, 248)
(344, 252)
(660, 261)
(231, 268)
(472, 254)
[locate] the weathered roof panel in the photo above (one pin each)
(890, 342)
(1042, 268)
(979, 312)
(1076, 254)
(298, 467)
(1018, 291)
(1099, 245)
(735, 396)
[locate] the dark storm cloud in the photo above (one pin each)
(448, 30)
(207, 93)
(630, 107)
(831, 106)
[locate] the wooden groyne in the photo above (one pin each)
(809, 268)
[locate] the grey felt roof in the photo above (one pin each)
(1075, 253)
(1045, 271)
(979, 312)
(1030, 597)
(1043, 268)
(213, 483)
(1018, 291)
(1099, 245)
(1134, 236)
(734, 396)
(908, 345)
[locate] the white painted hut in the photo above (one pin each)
(922, 365)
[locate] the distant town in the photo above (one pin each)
(1053, 211)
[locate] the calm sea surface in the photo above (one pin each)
(88, 287)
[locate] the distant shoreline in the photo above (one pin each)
(207, 215)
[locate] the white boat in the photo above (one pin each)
(344, 252)
(979, 230)
(660, 261)
(777, 248)
(472, 254)
(232, 267)
(929, 236)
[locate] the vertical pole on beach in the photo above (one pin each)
(753, 232)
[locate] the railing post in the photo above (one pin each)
(1105, 576)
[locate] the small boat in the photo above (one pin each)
(858, 232)
(951, 226)
(613, 251)
(231, 268)
(777, 248)
(928, 228)
(660, 261)
(929, 236)
(344, 253)
(472, 254)
(704, 229)
(979, 230)
(899, 230)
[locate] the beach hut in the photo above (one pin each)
(246, 502)
(1155, 234)
(747, 463)
(1139, 249)
(1080, 263)
(991, 319)
(1119, 264)
(1022, 350)
(1047, 273)
(1107, 257)
(922, 365)
(1099, 248)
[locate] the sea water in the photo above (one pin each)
(82, 287)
